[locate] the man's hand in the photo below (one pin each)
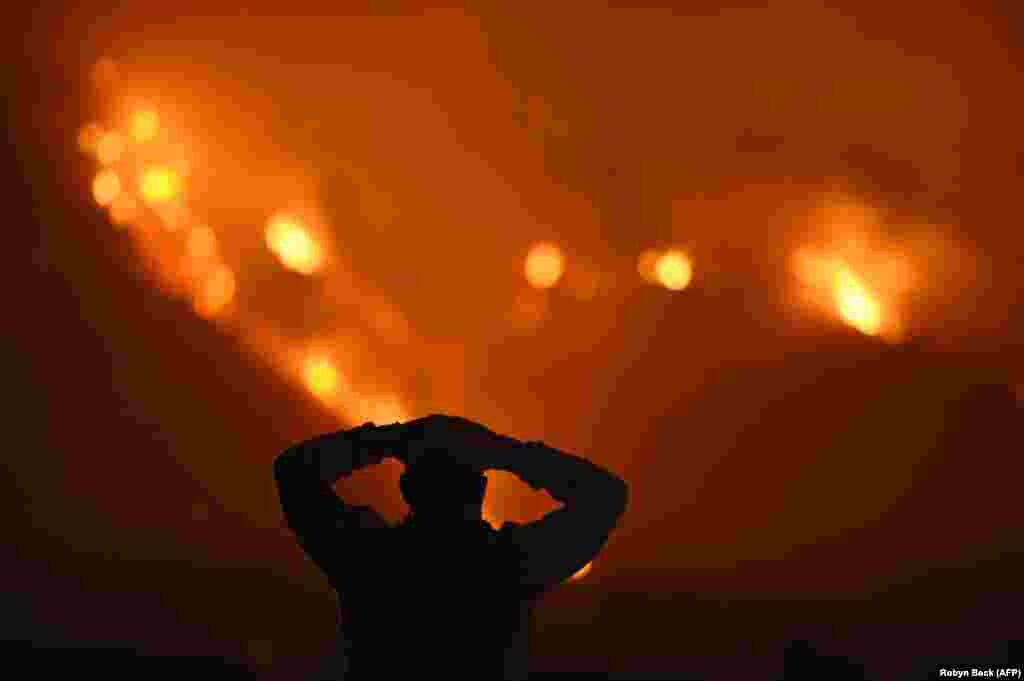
(472, 443)
(379, 442)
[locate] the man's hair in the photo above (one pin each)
(438, 481)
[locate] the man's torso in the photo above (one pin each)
(426, 601)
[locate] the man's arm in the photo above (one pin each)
(563, 541)
(305, 475)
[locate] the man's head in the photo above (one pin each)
(439, 487)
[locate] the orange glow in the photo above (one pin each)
(384, 410)
(172, 216)
(89, 136)
(159, 184)
(109, 147)
(856, 305)
(529, 310)
(289, 239)
(647, 265)
(104, 71)
(544, 265)
(320, 376)
(216, 291)
(388, 320)
(900, 275)
(195, 270)
(142, 151)
(201, 243)
(674, 270)
(583, 283)
(123, 210)
(145, 125)
(105, 187)
(835, 285)
(582, 571)
(856, 272)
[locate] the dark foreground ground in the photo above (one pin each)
(582, 631)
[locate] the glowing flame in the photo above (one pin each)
(320, 376)
(674, 270)
(845, 292)
(124, 209)
(109, 147)
(582, 571)
(142, 174)
(145, 125)
(856, 305)
(544, 265)
(215, 292)
(201, 243)
(159, 184)
(105, 187)
(289, 239)
(858, 273)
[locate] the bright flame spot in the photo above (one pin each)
(582, 571)
(288, 238)
(201, 243)
(109, 147)
(320, 376)
(105, 187)
(215, 292)
(89, 136)
(159, 184)
(846, 293)
(544, 265)
(124, 209)
(144, 126)
(647, 265)
(856, 305)
(674, 270)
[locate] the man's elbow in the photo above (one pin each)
(283, 462)
(618, 497)
(612, 498)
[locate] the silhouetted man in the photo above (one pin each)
(442, 592)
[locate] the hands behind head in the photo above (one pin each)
(378, 442)
(470, 442)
